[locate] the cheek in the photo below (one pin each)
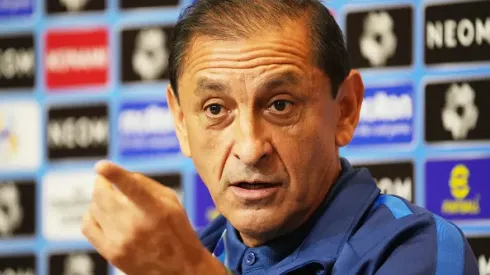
(208, 149)
(307, 156)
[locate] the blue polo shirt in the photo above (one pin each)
(356, 230)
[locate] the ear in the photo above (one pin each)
(179, 121)
(349, 102)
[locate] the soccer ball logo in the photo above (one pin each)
(460, 114)
(150, 57)
(378, 41)
(11, 213)
(74, 5)
(79, 264)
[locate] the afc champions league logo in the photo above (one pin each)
(8, 138)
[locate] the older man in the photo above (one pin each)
(263, 97)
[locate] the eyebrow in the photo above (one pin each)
(283, 79)
(207, 84)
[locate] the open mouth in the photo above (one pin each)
(255, 192)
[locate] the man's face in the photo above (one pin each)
(260, 123)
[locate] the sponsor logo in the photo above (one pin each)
(456, 111)
(18, 264)
(74, 6)
(131, 4)
(481, 248)
(394, 178)
(146, 128)
(20, 135)
(380, 38)
(66, 198)
(205, 208)
(386, 116)
(454, 37)
(462, 97)
(378, 41)
(78, 263)
(484, 265)
(17, 62)
(17, 202)
(76, 58)
(173, 181)
(145, 54)
(11, 8)
(78, 132)
(457, 190)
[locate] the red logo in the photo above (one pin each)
(76, 58)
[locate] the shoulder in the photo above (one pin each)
(398, 214)
(210, 235)
(396, 232)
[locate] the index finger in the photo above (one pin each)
(124, 181)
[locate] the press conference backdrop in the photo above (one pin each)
(82, 80)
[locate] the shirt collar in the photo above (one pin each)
(326, 230)
(269, 254)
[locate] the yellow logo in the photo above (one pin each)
(460, 189)
(8, 139)
(459, 182)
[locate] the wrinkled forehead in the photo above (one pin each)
(249, 60)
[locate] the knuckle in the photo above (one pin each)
(173, 208)
(164, 214)
(174, 197)
(139, 177)
(163, 218)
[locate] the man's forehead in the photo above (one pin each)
(245, 59)
(292, 36)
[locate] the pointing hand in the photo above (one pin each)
(140, 227)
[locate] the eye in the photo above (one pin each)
(280, 106)
(214, 109)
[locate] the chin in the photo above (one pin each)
(256, 222)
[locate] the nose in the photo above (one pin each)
(251, 142)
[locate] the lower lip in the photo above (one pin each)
(254, 194)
